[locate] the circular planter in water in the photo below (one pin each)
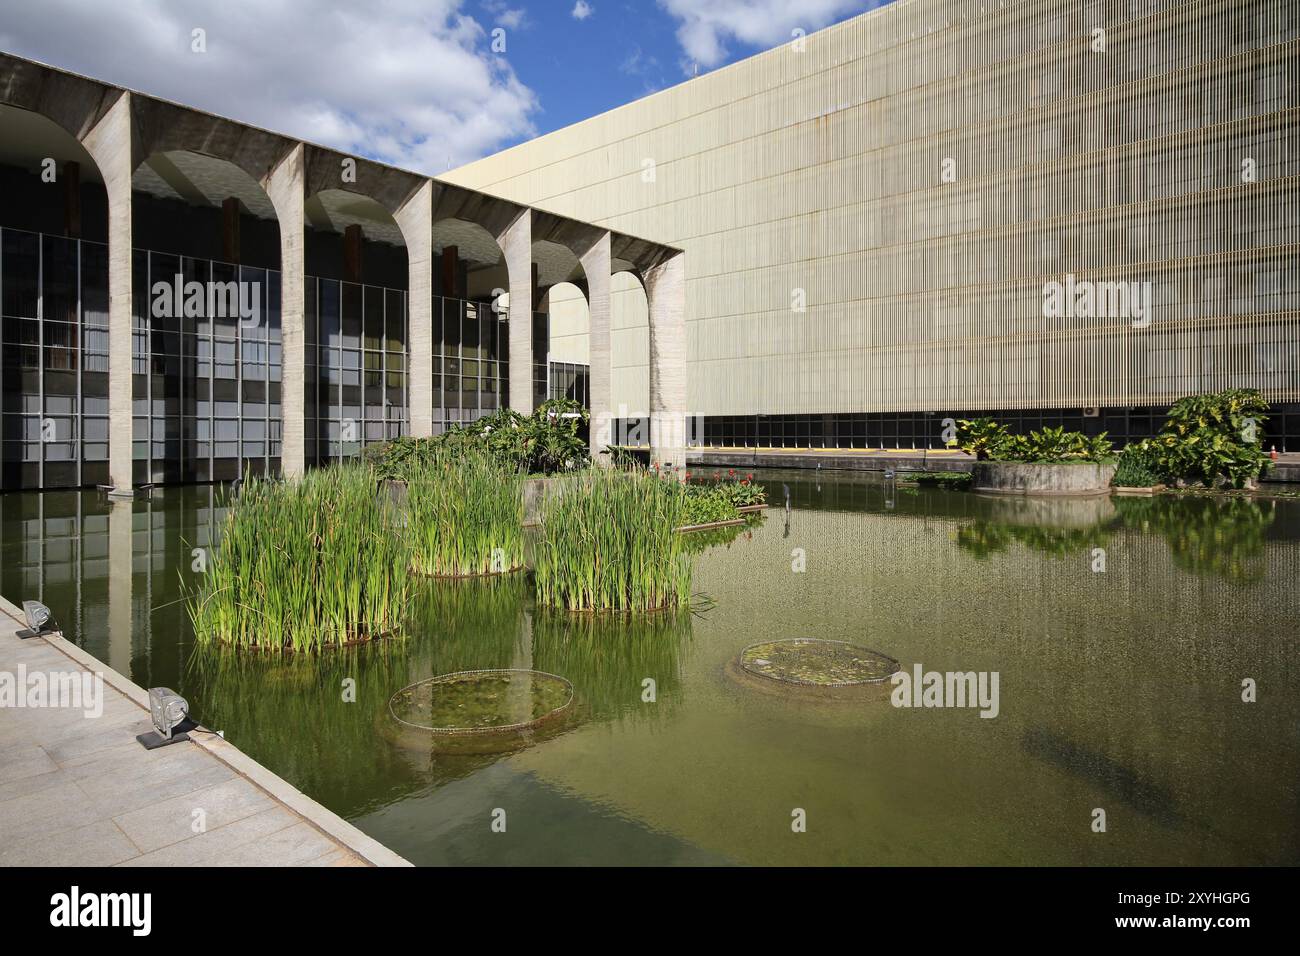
(480, 711)
(1038, 478)
(813, 667)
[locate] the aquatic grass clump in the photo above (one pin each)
(303, 565)
(465, 514)
(608, 542)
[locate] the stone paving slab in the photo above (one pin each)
(78, 790)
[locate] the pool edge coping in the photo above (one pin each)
(348, 836)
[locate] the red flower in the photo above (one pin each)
(731, 472)
(749, 477)
(745, 482)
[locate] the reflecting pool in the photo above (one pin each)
(1121, 631)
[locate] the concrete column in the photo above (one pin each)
(596, 265)
(112, 145)
(286, 190)
(516, 241)
(415, 219)
(665, 286)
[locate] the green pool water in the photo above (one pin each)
(1120, 631)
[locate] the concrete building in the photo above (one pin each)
(879, 217)
(186, 298)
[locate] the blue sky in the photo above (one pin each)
(424, 84)
(585, 57)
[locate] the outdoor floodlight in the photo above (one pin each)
(170, 714)
(40, 620)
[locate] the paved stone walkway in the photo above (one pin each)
(78, 790)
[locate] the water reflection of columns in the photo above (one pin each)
(521, 690)
(120, 569)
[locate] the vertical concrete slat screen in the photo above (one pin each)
(415, 219)
(820, 170)
(286, 188)
(112, 144)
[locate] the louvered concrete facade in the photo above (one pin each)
(871, 216)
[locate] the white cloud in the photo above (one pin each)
(706, 26)
(512, 18)
(582, 9)
(410, 82)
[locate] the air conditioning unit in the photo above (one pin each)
(1091, 411)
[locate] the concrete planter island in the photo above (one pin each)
(1036, 478)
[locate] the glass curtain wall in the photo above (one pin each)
(206, 387)
(571, 380)
(356, 355)
(471, 361)
(54, 364)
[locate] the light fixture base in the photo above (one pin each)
(27, 634)
(153, 740)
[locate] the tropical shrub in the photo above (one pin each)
(303, 565)
(550, 440)
(465, 513)
(980, 437)
(1053, 445)
(609, 542)
(1214, 438)
(1138, 467)
(988, 440)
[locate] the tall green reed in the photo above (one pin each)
(608, 542)
(465, 514)
(321, 561)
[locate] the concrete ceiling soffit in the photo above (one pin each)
(490, 212)
(577, 237)
(639, 255)
(337, 209)
(326, 170)
(71, 101)
(165, 127)
(556, 263)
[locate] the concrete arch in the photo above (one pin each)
(119, 129)
(556, 263)
(568, 323)
(357, 248)
(484, 274)
(161, 127)
(53, 197)
(213, 388)
(176, 191)
(630, 345)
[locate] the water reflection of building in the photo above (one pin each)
(1133, 675)
(110, 570)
